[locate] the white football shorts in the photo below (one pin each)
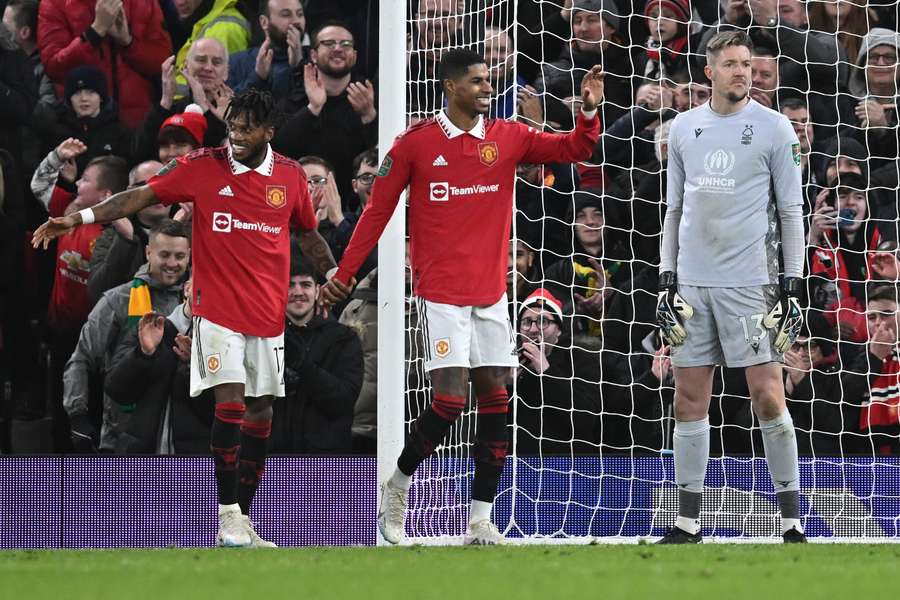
(220, 355)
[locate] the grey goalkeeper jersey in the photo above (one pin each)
(727, 174)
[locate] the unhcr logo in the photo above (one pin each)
(718, 162)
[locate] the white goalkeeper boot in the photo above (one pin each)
(255, 540)
(392, 512)
(483, 533)
(232, 531)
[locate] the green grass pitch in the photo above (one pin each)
(727, 572)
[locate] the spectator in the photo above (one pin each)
(365, 169)
(543, 198)
(499, 53)
(847, 20)
(122, 247)
(157, 287)
(874, 83)
(86, 113)
(587, 278)
(633, 132)
(272, 65)
(813, 391)
(207, 69)
(323, 375)
(437, 25)
(558, 397)
(333, 221)
(674, 36)
(645, 217)
(123, 38)
(18, 93)
(595, 41)
(361, 315)
(339, 120)
(521, 275)
(797, 112)
(764, 77)
(844, 240)
(151, 370)
(219, 20)
(21, 17)
(689, 93)
(181, 133)
(871, 382)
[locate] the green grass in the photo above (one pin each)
(727, 572)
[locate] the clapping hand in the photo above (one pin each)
(150, 332)
(531, 110)
(871, 113)
(221, 98)
(294, 47)
(315, 89)
(264, 60)
(662, 364)
(593, 304)
(362, 99)
(169, 83)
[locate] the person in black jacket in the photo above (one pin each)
(323, 375)
(86, 113)
(151, 370)
(558, 397)
(336, 118)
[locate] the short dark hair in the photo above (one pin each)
(113, 172)
(455, 63)
(370, 157)
(256, 104)
(792, 103)
(26, 14)
(316, 160)
(172, 134)
(883, 292)
(727, 39)
(300, 267)
(264, 10)
(171, 228)
(314, 36)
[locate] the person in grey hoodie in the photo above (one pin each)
(168, 257)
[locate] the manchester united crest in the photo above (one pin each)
(442, 347)
(213, 363)
(488, 153)
(276, 195)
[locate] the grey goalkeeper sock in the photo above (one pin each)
(691, 445)
(780, 443)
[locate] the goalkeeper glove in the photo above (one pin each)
(786, 317)
(671, 310)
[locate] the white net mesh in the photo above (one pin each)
(591, 436)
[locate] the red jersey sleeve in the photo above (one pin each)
(303, 216)
(175, 182)
(575, 146)
(59, 201)
(393, 177)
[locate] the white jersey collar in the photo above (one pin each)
(452, 131)
(264, 168)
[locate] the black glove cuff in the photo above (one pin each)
(667, 280)
(792, 286)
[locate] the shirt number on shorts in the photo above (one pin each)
(757, 319)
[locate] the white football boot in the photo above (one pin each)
(483, 533)
(392, 513)
(232, 531)
(255, 540)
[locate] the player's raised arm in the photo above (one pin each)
(120, 205)
(578, 144)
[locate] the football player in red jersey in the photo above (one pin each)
(460, 170)
(245, 200)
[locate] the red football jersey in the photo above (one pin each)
(241, 233)
(69, 302)
(460, 201)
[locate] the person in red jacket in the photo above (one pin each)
(124, 38)
(460, 169)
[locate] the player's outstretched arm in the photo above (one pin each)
(119, 205)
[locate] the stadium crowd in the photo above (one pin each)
(97, 95)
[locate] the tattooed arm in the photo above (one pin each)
(316, 250)
(115, 207)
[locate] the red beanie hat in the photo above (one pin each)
(680, 8)
(191, 120)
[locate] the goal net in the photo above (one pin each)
(590, 452)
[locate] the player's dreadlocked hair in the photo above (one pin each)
(256, 104)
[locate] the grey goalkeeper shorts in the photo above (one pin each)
(727, 328)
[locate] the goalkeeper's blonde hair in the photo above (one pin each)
(727, 39)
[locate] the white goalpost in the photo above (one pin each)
(609, 476)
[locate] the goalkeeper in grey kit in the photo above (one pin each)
(734, 192)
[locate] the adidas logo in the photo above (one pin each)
(226, 191)
(440, 161)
